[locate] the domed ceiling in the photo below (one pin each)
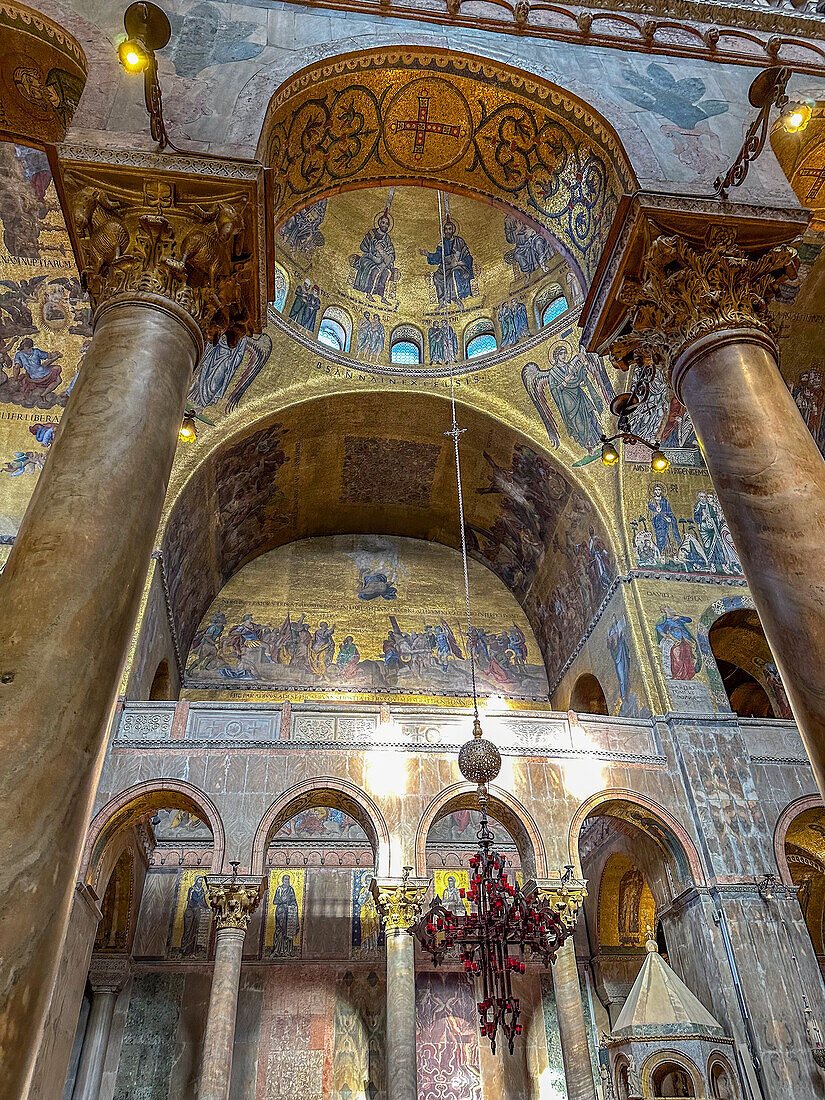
(364, 273)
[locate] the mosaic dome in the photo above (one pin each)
(364, 273)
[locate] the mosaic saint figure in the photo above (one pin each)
(576, 397)
(507, 326)
(309, 314)
(630, 899)
(302, 292)
(195, 906)
(285, 904)
(378, 338)
(363, 343)
(374, 266)
(301, 231)
(452, 899)
(323, 648)
(443, 342)
(620, 652)
(530, 251)
(368, 918)
(715, 534)
(680, 651)
(520, 322)
(217, 368)
(662, 519)
(347, 659)
(36, 370)
(452, 265)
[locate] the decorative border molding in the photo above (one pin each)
(157, 555)
(780, 36)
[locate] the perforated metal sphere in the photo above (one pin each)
(479, 760)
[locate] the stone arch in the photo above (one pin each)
(503, 807)
(673, 839)
(230, 485)
(587, 695)
(128, 807)
(668, 1056)
(711, 615)
(480, 99)
(161, 687)
(783, 824)
(323, 790)
(717, 1061)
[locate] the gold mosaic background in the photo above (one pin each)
(358, 613)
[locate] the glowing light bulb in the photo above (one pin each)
(188, 433)
(797, 118)
(133, 56)
(610, 456)
(659, 462)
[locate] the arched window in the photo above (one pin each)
(549, 304)
(281, 287)
(587, 696)
(405, 345)
(553, 310)
(480, 339)
(335, 329)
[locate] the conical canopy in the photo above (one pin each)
(660, 1004)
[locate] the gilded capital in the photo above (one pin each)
(563, 896)
(233, 900)
(189, 232)
(678, 269)
(687, 290)
(399, 901)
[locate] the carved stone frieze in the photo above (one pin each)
(233, 900)
(188, 231)
(400, 901)
(680, 268)
(109, 973)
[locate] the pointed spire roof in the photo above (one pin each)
(661, 1005)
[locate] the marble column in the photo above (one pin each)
(233, 900)
(400, 902)
(165, 257)
(688, 288)
(108, 974)
(578, 1069)
(565, 897)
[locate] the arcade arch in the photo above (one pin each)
(800, 854)
(310, 469)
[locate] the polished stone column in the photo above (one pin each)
(578, 1069)
(400, 902)
(565, 897)
(233, 900)
(108, 974)
(166, 259)
(688, 288)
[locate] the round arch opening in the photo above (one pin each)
(321, 467)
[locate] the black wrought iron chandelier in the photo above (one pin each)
(504, 921)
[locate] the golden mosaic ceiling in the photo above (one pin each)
(375, 254)
(452, 121)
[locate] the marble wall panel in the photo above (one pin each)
(246, 1053)
(187, 1040)
(147, 1055)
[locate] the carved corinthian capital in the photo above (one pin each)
(189, 233)
(563, 896)
(678, 269)
(399, 901)
(233, 900)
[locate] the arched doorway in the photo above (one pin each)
(637, 859)
(803, 854)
